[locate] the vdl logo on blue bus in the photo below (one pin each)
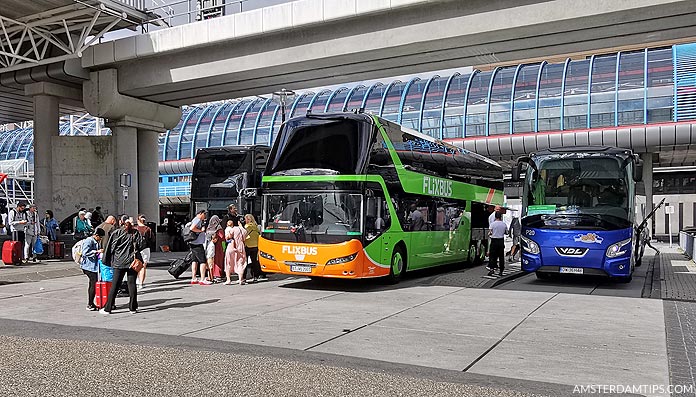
(436, 186)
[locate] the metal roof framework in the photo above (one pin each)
(61, 33)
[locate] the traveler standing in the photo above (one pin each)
(18, 222)
(215, 228)
(235, 256)
(90, 265)
(196, 246)
(82, 226)
(31, 231)
(123, 247)
(251, 245)
(97, 217)
(232, 214)
(108, 226)
(497, 233)
(50, 226)
(150, 241)
(515, 232)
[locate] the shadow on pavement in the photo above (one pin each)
(181, 305)
(410, 279)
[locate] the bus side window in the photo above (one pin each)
(377, 219)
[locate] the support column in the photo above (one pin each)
(125, 139)
(148, 175)
(648, 182)
(46, 119)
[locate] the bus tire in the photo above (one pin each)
(398, 260)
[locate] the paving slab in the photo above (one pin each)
(410, 346)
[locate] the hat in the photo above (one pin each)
(81, 213)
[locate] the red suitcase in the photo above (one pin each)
(12, 252)
(102, 293)
(58, 249)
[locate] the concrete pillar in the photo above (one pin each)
(46, 120)
(125, 142)
(648, 182)
(148, 175)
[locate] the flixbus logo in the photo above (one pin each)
(436, 186)
(299, 252)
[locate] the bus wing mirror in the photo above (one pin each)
(638, 170)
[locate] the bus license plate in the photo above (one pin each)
(301, 269)
(572, 270)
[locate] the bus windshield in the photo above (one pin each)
(322, 217)
(320, 146)
(571, 192)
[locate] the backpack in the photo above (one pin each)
(188, 234)
(77, 251)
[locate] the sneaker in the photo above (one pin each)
(262, 278)
(491, 272)
(194, 281)
(252, 281)
(103, 311)
(490, 269)
(205, 282)
(133, 312)
(92, 308)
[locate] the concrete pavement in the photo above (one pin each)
(534, 336)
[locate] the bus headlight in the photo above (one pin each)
(343, 259)
(266, 256)
(618, 249)
(530, 246)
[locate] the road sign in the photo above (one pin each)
(669, 209)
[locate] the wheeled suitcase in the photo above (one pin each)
(179, 266)
(58, 249)
(11, 252)
(102, 293)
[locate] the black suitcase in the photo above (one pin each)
(179, 266)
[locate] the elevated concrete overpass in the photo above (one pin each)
(321, 42)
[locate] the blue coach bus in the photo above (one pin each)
(578, 212)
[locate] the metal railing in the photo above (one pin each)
(175, 191)
(169, 10)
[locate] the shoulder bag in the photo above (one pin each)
(137, 264)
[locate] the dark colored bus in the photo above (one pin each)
(221, 174)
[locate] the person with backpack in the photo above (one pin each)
(124, 246)
(195, 237)
(89, 257)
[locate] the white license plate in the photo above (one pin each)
(572, 270)
(301, 269)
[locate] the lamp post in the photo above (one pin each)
(283, 98)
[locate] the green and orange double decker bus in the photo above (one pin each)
(352, 195)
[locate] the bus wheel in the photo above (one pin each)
(398, 265)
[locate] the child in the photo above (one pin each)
(210, 258)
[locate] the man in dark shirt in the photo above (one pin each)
(232, 213)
